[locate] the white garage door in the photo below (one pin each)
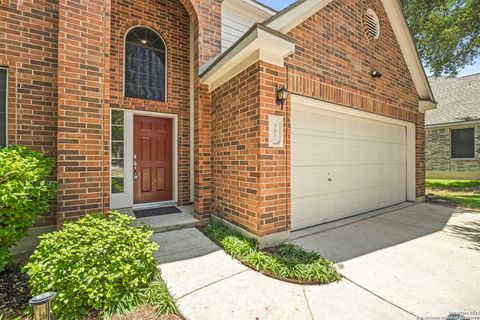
(343, 165)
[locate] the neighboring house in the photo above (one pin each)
(453, 129)
(151, 102)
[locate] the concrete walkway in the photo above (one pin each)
(414, 262)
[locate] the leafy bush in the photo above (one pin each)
(24, 194)
(287, 261)
(96, 265)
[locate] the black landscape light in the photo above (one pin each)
(41, 305)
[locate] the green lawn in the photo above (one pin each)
(465, 193)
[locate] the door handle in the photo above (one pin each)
(135, 175)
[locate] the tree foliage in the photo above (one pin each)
(446, 32)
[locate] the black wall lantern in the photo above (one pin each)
(282, 96)
(376, 74)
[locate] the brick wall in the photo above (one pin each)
(250, 180)
(28, 48)
(82, 105)
(171, 20)
(334, 59)
(438, 162)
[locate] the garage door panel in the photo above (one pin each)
(320, 122)
(310, 181)
(343, 165)
(323, 208)
(312, 150)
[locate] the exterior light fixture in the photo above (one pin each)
(41, 305)
(376, 74)
(282, 95)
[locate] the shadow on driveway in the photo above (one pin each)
(358, 238)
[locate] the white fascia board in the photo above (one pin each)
(249, 9)
(259, 6)
(286, 21)
(425, 105)
(400, 28)
(259, 43)
(453, 124)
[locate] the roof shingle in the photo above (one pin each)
(458, 100)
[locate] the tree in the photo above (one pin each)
(446, 32)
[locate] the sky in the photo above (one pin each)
(280, 4)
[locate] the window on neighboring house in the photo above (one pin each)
(145, 65)
(463, 143)
(3, 107)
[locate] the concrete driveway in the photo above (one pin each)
(407, 262)
(423, 259)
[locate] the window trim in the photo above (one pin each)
(6, 102)
(474, 144)
(125, 62)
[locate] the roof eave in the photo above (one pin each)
(404, 37)
(259, 43)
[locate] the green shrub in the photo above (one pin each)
(287, 261)
(96, 265)
(24, 194)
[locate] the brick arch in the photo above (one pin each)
(164, 35)
(192, 9)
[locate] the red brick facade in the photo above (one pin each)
(333, 61)
(66, 74)
(28, 48)
(250, 180)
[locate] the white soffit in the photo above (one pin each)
(425, 105)
(400, 28)
(292, 16)
(249, 7)
(259, 43)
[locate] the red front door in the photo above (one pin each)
(153, 159)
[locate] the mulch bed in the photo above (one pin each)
(146, 313)
(14, 291)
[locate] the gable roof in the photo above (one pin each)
(458, 100)
(299, 11)
(287, 19)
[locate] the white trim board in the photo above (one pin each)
(125, 200)
(286, 20)
(410, 132)
(259, 43)
(453, 124)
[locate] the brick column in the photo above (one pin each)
(208, 39)
(83, 45)
(251, 180)
(420, 154)
(274, 163)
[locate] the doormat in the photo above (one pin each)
(156, 212)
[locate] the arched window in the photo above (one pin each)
(145, 65)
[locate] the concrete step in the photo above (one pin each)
(169, 222)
